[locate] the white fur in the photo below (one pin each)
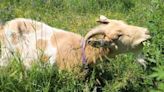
(27, 43)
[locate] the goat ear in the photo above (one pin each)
(97, 43)
(105, 42)
(101, 43)
(103, 20)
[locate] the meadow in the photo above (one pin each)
(121, 74)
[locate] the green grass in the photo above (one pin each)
(122, 74)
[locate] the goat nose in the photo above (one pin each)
(148, 34)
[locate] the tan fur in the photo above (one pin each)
(14, 38)
(41, 44)
(44, 58)
(69, 54)
(120, 36)
(126, 38)
(68, 47)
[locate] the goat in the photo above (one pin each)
(119, 37)
(33, 40)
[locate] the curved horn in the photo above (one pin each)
(93, 33)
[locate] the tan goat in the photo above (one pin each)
(119, 37)
(33, 40)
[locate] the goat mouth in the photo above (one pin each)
(146, 42)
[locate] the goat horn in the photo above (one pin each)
(93, 33)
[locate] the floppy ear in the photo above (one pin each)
(107, 40)
(103, 20)
(99, 43)
(97, 40)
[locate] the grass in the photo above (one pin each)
(121, 74)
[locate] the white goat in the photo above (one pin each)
(33, 40)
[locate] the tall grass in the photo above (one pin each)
(121, 74)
